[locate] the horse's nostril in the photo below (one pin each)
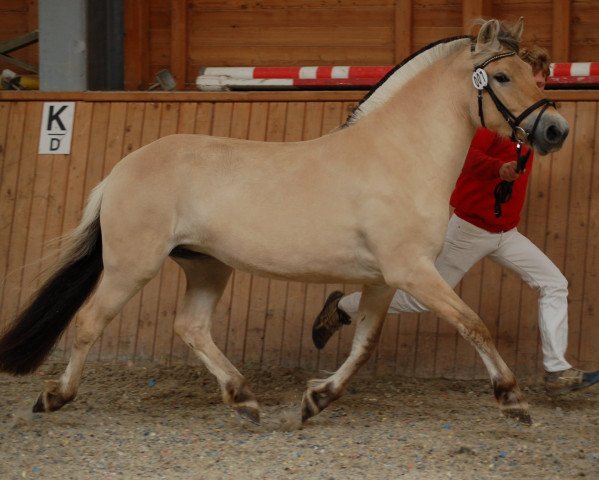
(554, 134)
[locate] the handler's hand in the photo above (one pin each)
(508, 171)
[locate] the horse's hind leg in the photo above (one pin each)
(206, 280)
(116, 287)
(371, 315)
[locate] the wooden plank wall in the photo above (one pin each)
(266, 322)
(184, 35)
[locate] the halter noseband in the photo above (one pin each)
(503, 190)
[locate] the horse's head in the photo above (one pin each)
(509, 100)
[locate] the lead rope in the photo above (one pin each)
(503, 190)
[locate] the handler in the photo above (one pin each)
(474, 232)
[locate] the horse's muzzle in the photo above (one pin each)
(550, 134)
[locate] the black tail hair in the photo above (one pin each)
(30, 338)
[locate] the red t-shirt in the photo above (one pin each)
(473, 197)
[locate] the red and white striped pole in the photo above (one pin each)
(221, 78)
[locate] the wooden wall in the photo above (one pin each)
(266, 322)
(184, 35)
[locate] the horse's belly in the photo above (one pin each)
(304, 272)
(315, 261)
(333, 275)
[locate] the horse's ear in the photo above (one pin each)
(518, 29)
(488, 33)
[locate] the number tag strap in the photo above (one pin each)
(480, 79)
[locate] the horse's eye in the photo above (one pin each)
(501, 77)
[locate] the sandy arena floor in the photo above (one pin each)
(156, 422)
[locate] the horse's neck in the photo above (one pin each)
(428, 120)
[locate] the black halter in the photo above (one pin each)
(503, 191)
(481, 83)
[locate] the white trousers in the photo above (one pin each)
(465, 244)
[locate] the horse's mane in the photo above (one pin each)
(398, 76)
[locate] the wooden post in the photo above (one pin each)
(403, 29)
(561, 30)
(62, 32)
(137, 43)
(179, 42)
(473, 9)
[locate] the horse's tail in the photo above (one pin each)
(30, 338)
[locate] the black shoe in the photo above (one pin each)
(570, 380)
(330, 319)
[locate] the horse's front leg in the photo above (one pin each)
(437, 295)
(369, 322)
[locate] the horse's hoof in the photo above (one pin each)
(511, 401)
(249, 413)
(307, 414)
(310, 405)
(242, 400)
(50, 402)
(317, 397)
(39, 405)
(306, 411)
(520, 414)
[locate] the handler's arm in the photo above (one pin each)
(479, 163)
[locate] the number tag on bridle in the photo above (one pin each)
(480, 79)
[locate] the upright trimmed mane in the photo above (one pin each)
(397, 77)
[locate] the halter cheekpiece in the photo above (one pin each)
(480, 80)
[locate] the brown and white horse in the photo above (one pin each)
(365, 204)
